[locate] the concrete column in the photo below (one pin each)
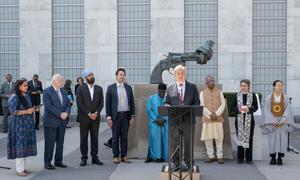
(235, 52)
(167, 30)
(101, 39)
(235, 43)
(293, 53)
(36, 39)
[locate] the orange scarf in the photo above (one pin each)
(277, 109)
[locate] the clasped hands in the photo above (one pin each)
(244, 109)
(160, 122)
(278, 124)
(64, 115)
(213, 116)
(93, 116)
(29, 111)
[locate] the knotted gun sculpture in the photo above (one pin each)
(202, 55)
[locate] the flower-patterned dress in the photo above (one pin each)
(21, 139)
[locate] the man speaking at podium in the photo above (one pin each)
(182, 93)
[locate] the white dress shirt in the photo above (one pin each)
(91, 89)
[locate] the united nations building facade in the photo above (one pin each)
(254, 39)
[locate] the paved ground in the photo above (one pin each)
(138, 170)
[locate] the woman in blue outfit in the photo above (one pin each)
(21, 140)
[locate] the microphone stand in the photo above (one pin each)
(288, 145)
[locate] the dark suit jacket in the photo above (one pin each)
(6, 91)
(111, 103)
(86, 105)
(191, 95)
(53, 107)
(35, 99)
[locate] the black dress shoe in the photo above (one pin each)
(108, 145)
(273, 161)
(249, 162)
(240, 161)
(148, 160)
(97, 161)
(279, 161)
(37, 128)
(4, 131)
(49, 167)
(61, 165)
(83, 162)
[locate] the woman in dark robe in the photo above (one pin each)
(245, 106)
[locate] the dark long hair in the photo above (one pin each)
(68, 84)
(22, 98)
(81, 80)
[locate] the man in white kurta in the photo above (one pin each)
(212, 99)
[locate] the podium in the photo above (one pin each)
(176, 115)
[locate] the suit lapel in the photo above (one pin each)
(87, 89)
(95, 93)
(34, 87)
(115, 94)
(56, 96)
(8, 87)
(115, 91)
(176, 90)
(187, 89)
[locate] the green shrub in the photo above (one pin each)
(230, 96)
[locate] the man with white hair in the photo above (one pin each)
(182, 93)
(57, 109)
(213, 101)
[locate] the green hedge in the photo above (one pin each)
(229, 96)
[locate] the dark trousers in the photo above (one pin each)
(186, 128)
(109, 141)
(91, 127)
(5, 116)
(120, 132)
(68, 118)
(54, 136)
(37, 119)
(35, 102)
(246, 152)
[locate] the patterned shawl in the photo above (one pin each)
(244, 121)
